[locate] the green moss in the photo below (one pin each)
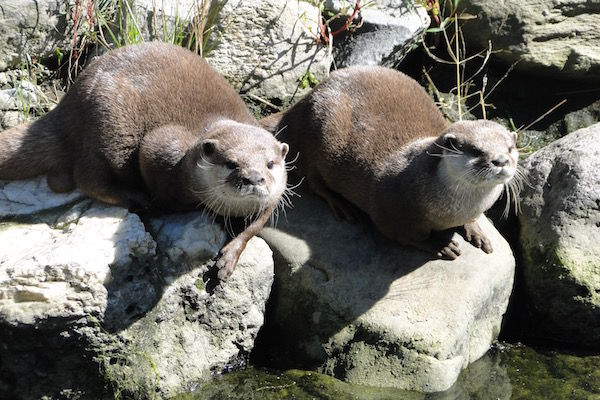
(200, 285)
(292, 384)
(514, 371)
(550, 375)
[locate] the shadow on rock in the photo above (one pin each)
(357, 306)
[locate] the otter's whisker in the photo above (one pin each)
(453, 150)
(280, 130)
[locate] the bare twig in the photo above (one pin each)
(542, 116)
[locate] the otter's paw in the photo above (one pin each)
(451, 251)
(228, 258)
(474, 235)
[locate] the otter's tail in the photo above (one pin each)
(31, 149)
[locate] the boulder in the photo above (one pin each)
(561, 38)
(569, 123)
(36, 29)
(267, 48)
(389, 30)
(93, 300)
(26, 93)
(369, 311)
(560, 236)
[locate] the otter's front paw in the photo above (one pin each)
(228, 258)
(474, 235)
(451, 251)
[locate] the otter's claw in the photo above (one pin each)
(228, 258)
(450, 252)
(474, 235)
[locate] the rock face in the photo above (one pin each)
(92, 303)
(560, 236)
(369, 311)
(267, 47)
(35, 28)
(389, 30)
(559, 37)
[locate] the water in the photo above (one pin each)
(506, 372)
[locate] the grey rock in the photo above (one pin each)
(8, 119)
(34, 29)
(94, 304)
(555, 37)
(389, 31)
(27, 197)
(266, 47)
(560, 236)
(571, 122)
(368, 311)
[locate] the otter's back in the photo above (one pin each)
(380, 109)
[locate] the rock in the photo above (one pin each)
(35, 29)
(26, 94)
(571, 122)
(561, 38)
(389, 30)
(369, 311)
(267, 47)
(93, 304)
(31, 196)
(560, 236)
(11, 118)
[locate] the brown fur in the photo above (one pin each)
(371, 138)
(92, 138)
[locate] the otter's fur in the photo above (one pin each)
(371, 138)
(138, 124)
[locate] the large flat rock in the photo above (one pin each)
(95, 302)
(369, 311)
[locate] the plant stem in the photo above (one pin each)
(457, 56)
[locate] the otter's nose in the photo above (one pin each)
(253, 179)
(501, 161)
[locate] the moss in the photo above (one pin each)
(539, 374)
(515, 372)
(564, 305)
(200, 285)
(293, 384)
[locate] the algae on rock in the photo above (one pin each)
(560, 236)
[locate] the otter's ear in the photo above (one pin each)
(284, 149)
(209, 146)
(448, 138)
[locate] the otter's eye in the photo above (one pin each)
(474, 151)
(270, 164)
(231, 164)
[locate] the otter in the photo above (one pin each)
(370, 138)
(154, 125)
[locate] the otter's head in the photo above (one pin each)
(478, 153)
(241, 169)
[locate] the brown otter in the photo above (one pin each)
(371, 138)
(149, 103)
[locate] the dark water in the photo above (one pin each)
(506, 372)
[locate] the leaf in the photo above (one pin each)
(466, 16)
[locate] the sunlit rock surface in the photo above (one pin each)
(95, 302)
(369, 311)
